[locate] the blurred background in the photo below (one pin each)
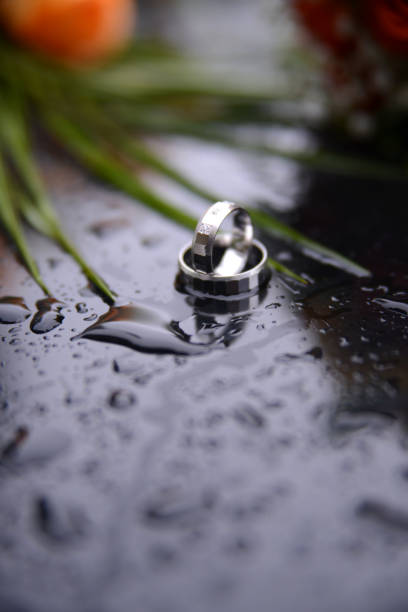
(159, 452)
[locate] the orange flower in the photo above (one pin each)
(388, 21)
(74, 31)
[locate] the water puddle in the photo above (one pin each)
(392, 305)
(13, 310)
(48, 316)
(151, 331)
(142, 329)
(57, 524)
(26, 450)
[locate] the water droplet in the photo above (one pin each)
(248, 416)
(163, 555)
(383, 513)
(41, 448)
(12, 447)
(81, 307)
(13, 310)
(239, 546)
(345, 421)
(143, 329)
(152, 241)
(357, 359)
(175, 507)
(316, 352)
(58, 525)
(48, 316)
(121, 399)
(53, 263)
(102, 229)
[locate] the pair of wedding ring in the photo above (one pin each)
(224, 264)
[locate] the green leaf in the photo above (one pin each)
(320, 160)
(136, 79)
(309, 247)
(313, 249)
(35, 206)
(179, 78)
(11, 223)
(110, 170)
(106, 167)
(279, 267)
(99, 127)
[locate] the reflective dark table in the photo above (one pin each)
(166, 455)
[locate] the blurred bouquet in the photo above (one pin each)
(364, 47)
(60, 63)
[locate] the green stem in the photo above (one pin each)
(162, 80)
(322, 161)
(11, 222)
(310, 247)
(143, 155)
(263, 221)
(89, 272)
(95, 124)
(108, 169)
(37, 209)
(279, 267)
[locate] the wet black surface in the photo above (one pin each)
(160, 456)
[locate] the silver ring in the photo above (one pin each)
(248, 282)
(236, 244)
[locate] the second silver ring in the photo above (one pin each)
(237, 243)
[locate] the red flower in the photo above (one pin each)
(359, 77)
(330, 22)
(388, 22)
